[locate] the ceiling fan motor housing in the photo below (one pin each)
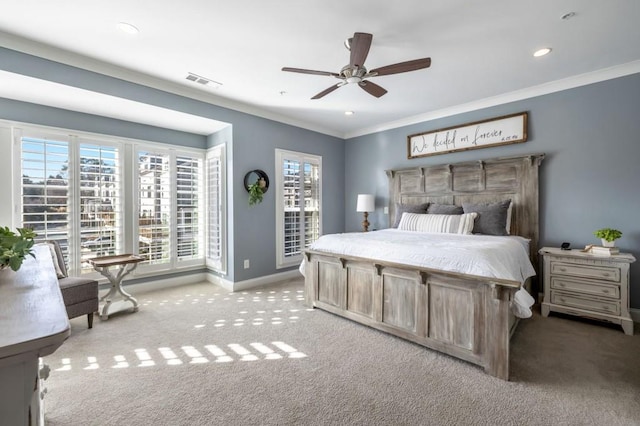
(353, 74)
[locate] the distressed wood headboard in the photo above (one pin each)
(483, 181)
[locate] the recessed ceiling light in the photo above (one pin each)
(128, 28)
(348, 113)
(542, 52)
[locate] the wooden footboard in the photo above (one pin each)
(465, 316)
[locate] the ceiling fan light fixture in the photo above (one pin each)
(542, 52)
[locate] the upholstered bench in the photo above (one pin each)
(80, 294)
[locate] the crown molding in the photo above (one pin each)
(518, 95)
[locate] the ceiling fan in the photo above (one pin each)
(356, 73)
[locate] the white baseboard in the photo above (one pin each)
(254, 282)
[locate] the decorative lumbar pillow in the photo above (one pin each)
(492, 217)
(54, 257)
(408, 208)
(444, 209)
(438, 223)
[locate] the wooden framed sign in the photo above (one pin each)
(480, 134)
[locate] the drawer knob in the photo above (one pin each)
(562, 269)
(560, 284)
(605, 291)
(562, 300)
(606, 308)
(605, 274)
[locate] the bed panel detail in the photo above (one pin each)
(452, 315)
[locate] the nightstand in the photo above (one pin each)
(587, 285)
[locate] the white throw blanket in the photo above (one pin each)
(480, 255)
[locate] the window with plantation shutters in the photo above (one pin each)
(74, 188)
(45, 187)
(190, 204)
(154, 206)
(298, 213)
(215, 208)
(100, 201)
(71, 193)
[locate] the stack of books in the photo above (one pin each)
(604, 251)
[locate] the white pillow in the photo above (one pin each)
(54, 257)
(509, 211)
(438, 223)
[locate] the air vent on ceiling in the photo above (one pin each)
(203, 80)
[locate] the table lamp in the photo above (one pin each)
(366, 204)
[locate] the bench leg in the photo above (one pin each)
(90, 319)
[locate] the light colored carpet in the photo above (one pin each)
(198, 355)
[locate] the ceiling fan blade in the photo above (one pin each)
(360, 44)
(303, 71)
(327, 91)
(372, 88)
(416, 64)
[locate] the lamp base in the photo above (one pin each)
(365, 223)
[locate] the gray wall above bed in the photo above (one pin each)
(588, 180)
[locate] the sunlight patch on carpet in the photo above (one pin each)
(188, 354)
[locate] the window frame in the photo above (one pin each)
(219, 263)
(127, 149)
(281, 155)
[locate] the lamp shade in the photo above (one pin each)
(366, 203)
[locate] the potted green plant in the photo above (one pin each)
(256, 193)
(14, 248)
(608, 236)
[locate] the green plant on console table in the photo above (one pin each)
(14, 248)
(256, 193)
(608, 234)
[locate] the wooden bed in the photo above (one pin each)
(465, 316)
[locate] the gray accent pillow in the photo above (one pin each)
(444, 209)
(492, 217)
(408, 208)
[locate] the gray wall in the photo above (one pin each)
(589, 179)
(251, 230)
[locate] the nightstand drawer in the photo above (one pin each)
(597, 272)
(602, 289)
(564, 299)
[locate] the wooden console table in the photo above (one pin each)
(34, 323)
(126, 263)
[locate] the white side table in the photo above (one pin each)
(587, 285)
(125, 264)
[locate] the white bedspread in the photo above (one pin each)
(481, 255)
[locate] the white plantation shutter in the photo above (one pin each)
(73, 188)
(100, 209)
(154, 206)
(45, 188)
(298, 215)
(311, 203)
(215, 208)
(190, 202)
(291, 199)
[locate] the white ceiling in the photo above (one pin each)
(481, 52)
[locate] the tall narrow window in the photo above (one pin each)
(215, 208)
(154, 206)
(45, 188)
(189, 202)
(100, 206)
(298, 210)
